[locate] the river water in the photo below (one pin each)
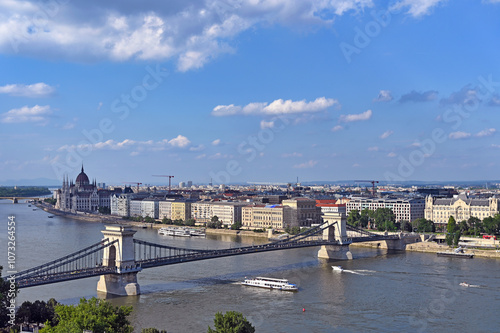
(377, 292)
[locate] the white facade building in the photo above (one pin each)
(404, 209)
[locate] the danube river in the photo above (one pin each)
(377, 292)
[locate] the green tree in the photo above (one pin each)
(452, 225)
(152, 330)
(149, 219)
(423, 225)
(456, 237)
(236, 225)
(475, 224)
(449, 239)
(385, 219)
(6, 295)
(353, 218)
(104, 210)
(491, 225)
(37, 312)
(231, 322)
(166, 221)
(95, 314)
(365, 217)
(406, 226)
(190, 222)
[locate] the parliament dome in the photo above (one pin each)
(82, 178)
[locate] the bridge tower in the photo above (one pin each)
(337, 231)
(120, 255)
(14, 200)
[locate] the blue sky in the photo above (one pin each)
(250, 90)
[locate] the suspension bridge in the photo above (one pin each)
(118, 257)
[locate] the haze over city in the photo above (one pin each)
(250, 90)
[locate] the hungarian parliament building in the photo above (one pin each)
(82, 195)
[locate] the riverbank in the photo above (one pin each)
(108, 219)
(429, 247)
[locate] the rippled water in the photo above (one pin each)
(377, 292)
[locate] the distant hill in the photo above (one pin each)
(45, 182)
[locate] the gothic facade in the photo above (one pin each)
(82, 195)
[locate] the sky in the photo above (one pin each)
(239, 91)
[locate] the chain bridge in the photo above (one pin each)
(118, 257)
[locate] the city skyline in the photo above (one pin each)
(238, 91)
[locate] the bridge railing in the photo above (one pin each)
(87, 258)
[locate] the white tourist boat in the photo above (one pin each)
(166, 231)
(197, 232)
(182, 233)
(270, 283)
(338, 268)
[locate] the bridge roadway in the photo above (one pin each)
(36, 280)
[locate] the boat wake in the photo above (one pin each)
(359, 271)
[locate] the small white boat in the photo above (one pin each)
(464, 284)
(338, 268)
(270, 283)
(166, 231)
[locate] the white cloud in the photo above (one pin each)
(35, 114)
(216, 142)
(495, 99)
(199, 157)
(32, 90)
(383, 96)
(416, 8)
(337, 128)
(197, 148)
(486, 132)
(374, 148)
(306, 165)
(386, 134)
(347, 118)
(277, 107)
(266, 124)
(180, 141)
(190, 32)
(459, 135)
(99, 106)
(391, 154)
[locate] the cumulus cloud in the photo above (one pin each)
(347, 118)
(486, 132)
(32, 90)
(465, 96)
(391, 154)
(416, 8)
(384, 96)
(190, 32)
(180, 141)
(277, 107)
(417, 97)
(375, 148)
(216, 142)
(459, 135)
(306, 165)
(26, 114)
(337, 128)
(386, 134)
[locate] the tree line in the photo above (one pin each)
(384, 219)
(24, 191)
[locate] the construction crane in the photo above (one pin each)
(368, 181)
(137, 183)
(169, 180)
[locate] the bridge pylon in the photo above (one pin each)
(337, 231)
(120, 255)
